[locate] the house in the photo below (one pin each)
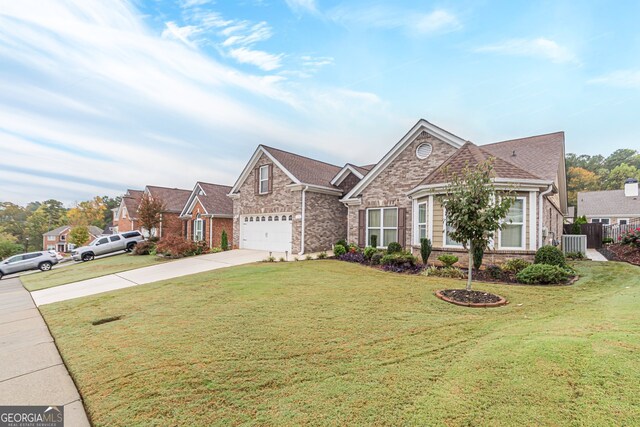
(571, 215)
(174, 200)
(126, 215)
(398, 200)
(207, 213)
(57, 239)
(612, 206)
(285, 202)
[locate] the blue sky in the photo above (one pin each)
(97, 97)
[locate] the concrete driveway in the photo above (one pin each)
(154, 273)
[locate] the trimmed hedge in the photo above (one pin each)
(542, 274)
(550, 255)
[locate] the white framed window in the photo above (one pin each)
(264, 179)
(422, 221)
(382, 223)
(604, 221)
(51, 238)
(198, 229)
(446, 238)
(623, 221)
(513, 233)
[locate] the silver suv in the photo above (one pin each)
(31, 261)
(108, 244)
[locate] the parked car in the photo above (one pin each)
(107, 245)
(29, 261)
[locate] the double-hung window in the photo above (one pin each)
(198, 230)
(382, 223)
(264, 179)
(604, 221)
(512, 234)
(422, 221)
(51, 238)
(448, 241)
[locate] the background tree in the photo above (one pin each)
(8, 245)
(616, 178)
(475, 209)
(79, 235)
(90, 212)
(580, 179)
(13, 221)
(110, 203)
(50, 214)
(150, 213)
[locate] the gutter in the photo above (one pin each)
(541, 213)
(304, 194)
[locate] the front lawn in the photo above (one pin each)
(333, 343)
(87, 270)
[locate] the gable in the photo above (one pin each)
(260, 157)
(403, 155)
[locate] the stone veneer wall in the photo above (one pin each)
(280, 200)
(405, 172)
(325, 221)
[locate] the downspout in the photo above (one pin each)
(541, 213)
(211, 232)
(304, 193)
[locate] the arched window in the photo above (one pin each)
(290, 218)
(263, 219)
(270, 218)
(251, 219)
(284, 217)
(276, 218)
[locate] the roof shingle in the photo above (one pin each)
(215, 199)
(174, 198)
(306, 170)
(608, 203)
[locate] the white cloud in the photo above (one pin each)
(243, 35)
(299, 6)
(182, 34)
(622, 78)
(186, 4)
(540, 47)
(412, 22)
(263, 60)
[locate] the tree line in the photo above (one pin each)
(593, 173)
(22, 227)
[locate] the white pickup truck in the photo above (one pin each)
(108, 244)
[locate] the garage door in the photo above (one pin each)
(267, 232)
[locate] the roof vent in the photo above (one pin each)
(514, 153)
(423, 151)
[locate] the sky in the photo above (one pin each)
(100, 96)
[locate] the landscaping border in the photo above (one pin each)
(503, 301)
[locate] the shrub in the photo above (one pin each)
(176, 247)
(215, 250)
(368, 252)
(322, 255)
(282, 259)
(478, 254)
(394, 247)
(143, 248)
(403, 268)
(542, 274)
(607, 240)
(425, 249)
(376, 258)
(631, 238)
(494, 271)
(550, 255)
(224, 241)
(353, 248)
(352, 257)
(269, 259)
(374, 241)
(339, 250)
(308, 257)
(448, 259)
(448, 272)
(515, 265)
(398, 258)
(342, 243)
(574, 255)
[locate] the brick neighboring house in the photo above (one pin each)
(126, 216)
(612, 207)
(398, 199)
(284, 202)
(174, 200)
(207, 213)
(57, 239)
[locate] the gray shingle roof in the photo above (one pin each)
(174, 198)
(306, 170)
(56, 231)
(608, 203)
(216, 201)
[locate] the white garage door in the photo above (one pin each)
(267, 232)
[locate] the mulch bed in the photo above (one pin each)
(619, 252)
(471, 298)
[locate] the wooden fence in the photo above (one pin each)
(594, 233)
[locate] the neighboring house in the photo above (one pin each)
(174, 200)
(126, 216)
(571, 215)
(207, 213)
(57, 239)
(612, 206)
(285, 202)
(398, 199)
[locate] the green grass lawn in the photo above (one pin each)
(332, 343)
(87, 270)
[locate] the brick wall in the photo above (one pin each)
(220, 224)
(349, 182)
(325, 221)
(171, 225)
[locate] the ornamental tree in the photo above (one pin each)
(475, 208)
(150, 213)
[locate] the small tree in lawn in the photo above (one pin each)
(150, 212)
(79, 236)
(224, 241)
(475, 209)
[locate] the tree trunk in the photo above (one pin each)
(470, 266)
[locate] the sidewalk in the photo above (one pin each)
(32, 371)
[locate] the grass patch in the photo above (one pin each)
(335, 343)
(87, 270)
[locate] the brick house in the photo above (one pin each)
(284, 202)
(126, 215)
(207, 213)
(398, 199)
(57, 239)
(174, 200)
(611, 207)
